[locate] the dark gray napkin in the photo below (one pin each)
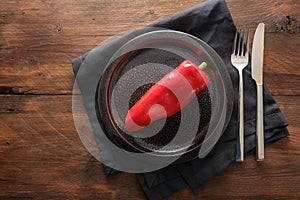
(211, 22)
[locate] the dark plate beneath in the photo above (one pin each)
(139, 62)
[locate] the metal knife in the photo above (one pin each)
(257, 75)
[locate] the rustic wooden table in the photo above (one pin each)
(41, 155)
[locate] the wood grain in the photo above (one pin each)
(43, 143)
(41, 155)
(37, 76)
(37, 46)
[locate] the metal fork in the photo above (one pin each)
(240, 59)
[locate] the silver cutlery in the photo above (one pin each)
(257, 75)
(239, 59)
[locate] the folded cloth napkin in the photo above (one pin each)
(211, 22)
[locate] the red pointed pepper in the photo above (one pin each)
(168, 96)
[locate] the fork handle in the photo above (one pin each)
(259, 125)
(240, 154)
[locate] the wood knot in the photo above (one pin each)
(151, 12)
(58, 28)
(285, 23)
(10, 110)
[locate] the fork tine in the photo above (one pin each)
(239, 43)
(247, 44)
(235, 42)
(243, 34)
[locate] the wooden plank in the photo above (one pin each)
(282, 63)
(42, 156)
(39, 72)
(279, 16)
(37, 45)
(282, 15)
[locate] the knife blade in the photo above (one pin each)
(257, 75)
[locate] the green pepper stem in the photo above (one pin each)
(202, 66)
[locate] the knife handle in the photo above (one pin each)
(260, 125)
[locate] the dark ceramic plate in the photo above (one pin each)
(140, 63)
